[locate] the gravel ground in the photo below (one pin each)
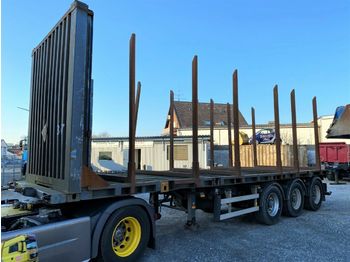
(314, 236)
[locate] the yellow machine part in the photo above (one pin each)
(15, 249)
(243, 139)
(9, 211)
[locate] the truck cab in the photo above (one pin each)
(20, 248)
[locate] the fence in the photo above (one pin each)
(10, 170)
(266, 155)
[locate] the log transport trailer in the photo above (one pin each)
(77, 214)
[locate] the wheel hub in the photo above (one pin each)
(316, 194)
(126, 237)
(272, 204)
(119, 234)
(296, 198)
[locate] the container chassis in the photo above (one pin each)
(77, 214)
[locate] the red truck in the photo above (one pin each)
(335, 157)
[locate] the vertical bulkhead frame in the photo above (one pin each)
(60, 103)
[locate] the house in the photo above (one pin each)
(183, 116)
(152, 153)
(183, 125)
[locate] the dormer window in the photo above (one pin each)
(221, 123)
(206, 122)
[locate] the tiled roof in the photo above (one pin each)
(183, 111)
(147, 138)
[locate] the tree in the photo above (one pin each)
(102, 134)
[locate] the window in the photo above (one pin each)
(13, 248)
(180, 152)
(221, 123)
(206, 122)
(105, 155)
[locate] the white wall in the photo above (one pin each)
(153, 155)
(305, 133)
(324, 123)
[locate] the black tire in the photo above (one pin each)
(270, 205)
(341, 174)
(294, 202)
(315, 194)
(330, 177)
(106, 250)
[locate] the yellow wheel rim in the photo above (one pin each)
(126, 236)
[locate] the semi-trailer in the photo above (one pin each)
(335, 156)
(335, 159)
(76, 214)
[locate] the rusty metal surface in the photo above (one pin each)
(255, 157)
(229, 135)
(277, 129)
(317, 141)
(294, 131)
(212, 160)
(137, 103)
(150, 181)
(236, 120)
(91, 180)
(132, 122)
(171, 131)
(195, 163)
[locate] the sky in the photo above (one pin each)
(303, 45)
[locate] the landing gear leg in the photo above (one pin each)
(154, 201)
(191, 212)
(336, 179)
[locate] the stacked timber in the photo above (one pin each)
(266, 155)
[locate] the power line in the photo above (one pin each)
(22, 108)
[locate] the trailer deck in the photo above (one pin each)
(117, 185)
(159, 181)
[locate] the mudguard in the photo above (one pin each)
(106, 213)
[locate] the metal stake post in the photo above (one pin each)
(195, 163)
(236, 122)
(230, 164)
(171, 130)
(131, 162)
(277, 130)
(317, 143)
(255, 158)
(294, 130)
(138, 93)
(212, 134)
